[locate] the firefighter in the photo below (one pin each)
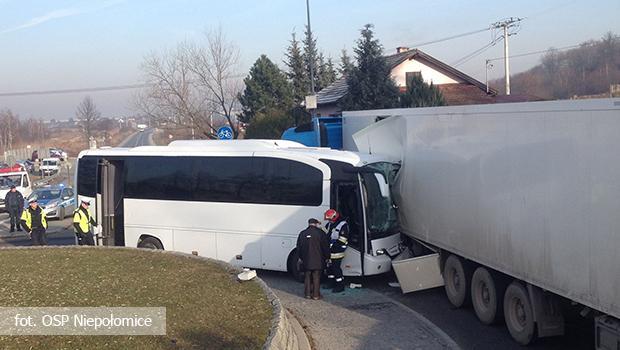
(14, 204)
(82, 219)
(338, 233)
(35, 223)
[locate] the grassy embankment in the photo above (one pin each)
(205, 306)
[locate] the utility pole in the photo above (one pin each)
(505, 25)
(311, 59)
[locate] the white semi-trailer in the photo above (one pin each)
(521, 202)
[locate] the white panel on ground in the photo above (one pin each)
(417, 273)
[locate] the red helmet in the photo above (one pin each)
(331, 215)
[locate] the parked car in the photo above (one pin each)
(14, 176)
(58, 153)
(27, 164)
(57, 202)
(50, 166)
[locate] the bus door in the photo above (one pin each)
(110, 203)
(349, 205)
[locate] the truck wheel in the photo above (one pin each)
(456, 281)
(486, 293)
(518, 313)
(150, 243)
(294, 268)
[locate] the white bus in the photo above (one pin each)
(243, 202)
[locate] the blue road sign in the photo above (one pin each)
(225, 133)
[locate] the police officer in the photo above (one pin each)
(82, 219)
(35, 223)
(338, 232)
(14, 204)
(313, 249)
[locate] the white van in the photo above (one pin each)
(16, 176)
(50, 166)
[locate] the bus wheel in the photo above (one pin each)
(518, 313)
(456, 281)
(486, 293)
(294, 266)
(150, 243)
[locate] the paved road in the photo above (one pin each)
(459, 324)
(60, 232)
(140, 138)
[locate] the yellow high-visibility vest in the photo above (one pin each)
(81, 219)
(27, 217)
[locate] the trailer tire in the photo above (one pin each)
(456, 278)
(150, 243)
(518, 313)
(294, 266)
(486, 295)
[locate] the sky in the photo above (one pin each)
(58, 44)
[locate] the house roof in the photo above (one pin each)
(334, 92)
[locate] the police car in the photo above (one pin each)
(56, 201)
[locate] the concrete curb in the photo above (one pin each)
(283, 334)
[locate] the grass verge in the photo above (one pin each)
(205, 306)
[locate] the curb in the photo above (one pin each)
(283, 333)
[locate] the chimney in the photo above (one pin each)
(402, 49)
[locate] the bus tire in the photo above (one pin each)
(518, 313)
(150, 243)
(486, 295)
(294, 266)
(456, 279)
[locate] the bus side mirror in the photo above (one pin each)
(383, 185)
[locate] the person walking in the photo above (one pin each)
(82, 221)
(35, 223)
(14, 204)
(338, 233)
(313, 250)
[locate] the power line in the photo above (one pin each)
(451, 37)
(76, 90)
(535, 52)
(477, 52)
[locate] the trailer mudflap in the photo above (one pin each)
(417, 273)
(607, 333)
(547, 313)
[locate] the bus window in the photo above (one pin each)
(87, 175)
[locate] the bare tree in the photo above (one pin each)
(192, 86)
(87, 115)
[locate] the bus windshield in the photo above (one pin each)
(381, 216)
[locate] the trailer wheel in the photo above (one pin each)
(486, 294)
(456, 281)
(518, 313)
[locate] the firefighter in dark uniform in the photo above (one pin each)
(313, 249)
(35, 223)
(82, 219)
(338, 233)
(14, 204)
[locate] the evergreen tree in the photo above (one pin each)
(269, 124)
(370, 83)
(326, 72)
(311, 59)
(266, 88)
(345, 63)
(297, 70)
(421, 94)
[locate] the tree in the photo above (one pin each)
(193, 86)
(88, 116)
(297, 70)
(345, 63)
(370, 84)
(269, 124)
(326, 72)
(266, 88)
(421, 94)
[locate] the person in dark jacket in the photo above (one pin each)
(35, 223)
(14, 203)
(313, 249)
